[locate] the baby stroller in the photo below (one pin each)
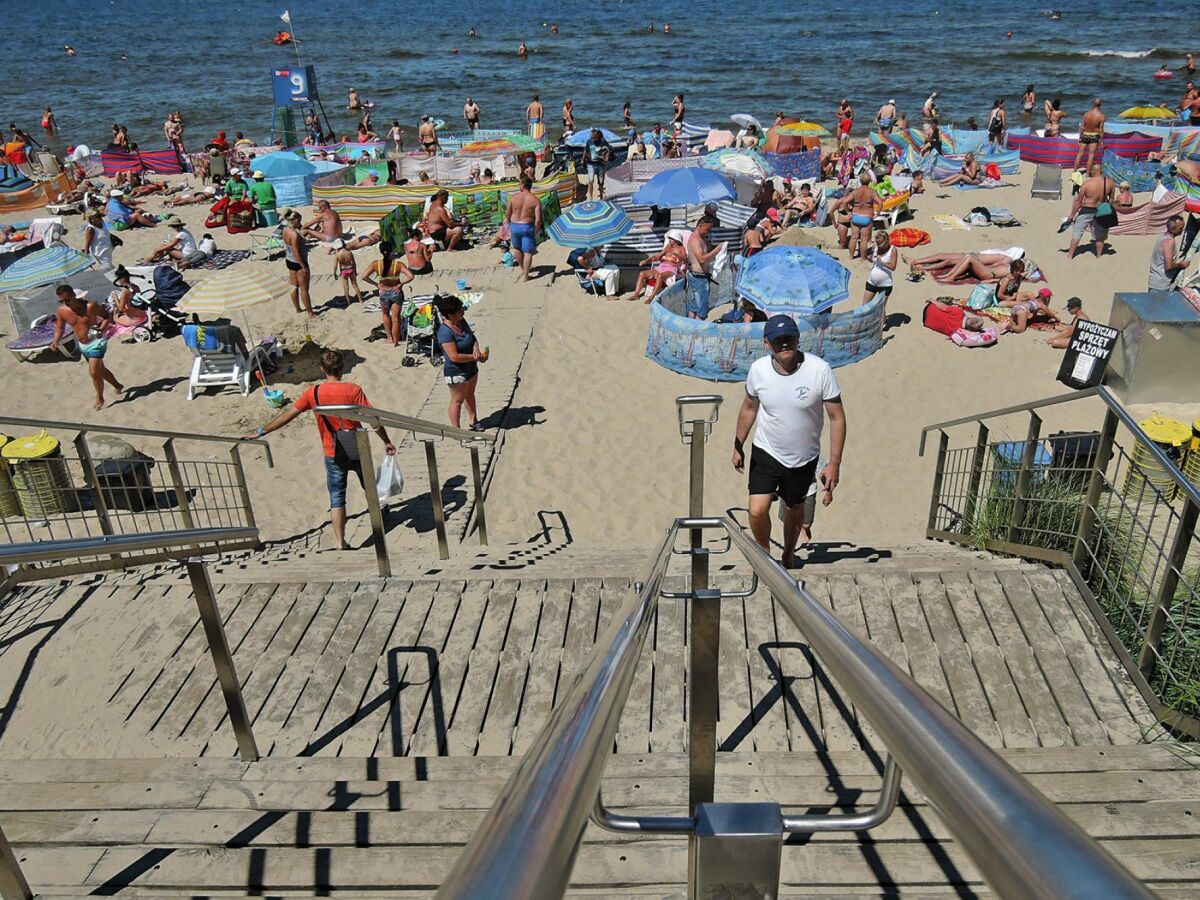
(421, 324)
(160, 296)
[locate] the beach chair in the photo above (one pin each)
(33, 321)
(1047, 182)
(269, 246)
(593, 286)
(219, 364)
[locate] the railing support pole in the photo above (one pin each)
(1152, 643)
(218, 645)
(13, 885)
(477, 478)
(435, 498)
(239, 474)
(977, 461)
(935, 497)
(182, 503)
(93, 482)
(1024, 476)
(1087, 519)
(704, 645)
(375, 511)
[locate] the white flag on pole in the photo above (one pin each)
(287, 17)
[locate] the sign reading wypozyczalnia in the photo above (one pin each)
(1087, 356)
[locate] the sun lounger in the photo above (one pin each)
(1047, 182)
(217, 364)
(33, 321)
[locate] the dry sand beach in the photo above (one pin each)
(592, 433)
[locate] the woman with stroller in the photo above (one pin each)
(462, 358)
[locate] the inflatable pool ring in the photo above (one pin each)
(1163, 76)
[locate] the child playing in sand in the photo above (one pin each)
(345, 268)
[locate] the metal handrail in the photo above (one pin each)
(433, 432)
(382, 417)
(526, 845)
(141, 432)
(1169, 465)
(1019, 841)
(109, 544)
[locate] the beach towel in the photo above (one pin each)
(223, 259)
(940, 278)
(951, 223)
(964, 338)
(909, 237)
(986, 185)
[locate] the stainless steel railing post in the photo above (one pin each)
(935, 497)
(1087, 519)
(435, 498)
(977, 460)
(93, 482)
(239, 475)
(378, 537)
(477, 479)
(182, 503)
(1185, 530)
(1024, 476)
(218, 645)
(13, 885)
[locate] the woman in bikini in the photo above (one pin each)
(418, 256)
(864, 203)
(970, 173)
(984, 265)
(668, 264)
(1027, 101)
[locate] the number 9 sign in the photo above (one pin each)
(292, 86)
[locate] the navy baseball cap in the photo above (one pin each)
(780, 326)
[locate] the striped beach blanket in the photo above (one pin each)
(223, 259)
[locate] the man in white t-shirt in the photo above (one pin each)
(789, 393)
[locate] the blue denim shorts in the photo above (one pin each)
(335, 480)
(698, 291)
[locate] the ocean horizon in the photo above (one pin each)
(213, 61)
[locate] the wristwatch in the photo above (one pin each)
(261, 431)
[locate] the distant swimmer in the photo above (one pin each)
(1055, 16)
(554, 28)
(666, 27)
(1189, 66)
(124, 57)
(48, 122)
(70, 50)
(1008, 35)
(650, 28)
(453, 51)
(523, 51)
(354, 102)
(677, 105)
(471, 33)
(627, 115)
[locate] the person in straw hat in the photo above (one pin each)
(179, 246)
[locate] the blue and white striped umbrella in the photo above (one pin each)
(590, 224)
(800, 280)
(56, 262)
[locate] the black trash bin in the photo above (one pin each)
(126, 483)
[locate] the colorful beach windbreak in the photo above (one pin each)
(717, 352)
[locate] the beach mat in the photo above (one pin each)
(223, 259)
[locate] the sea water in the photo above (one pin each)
(212, 60)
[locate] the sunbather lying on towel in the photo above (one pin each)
(984, 265)
(970, 173)
(1026, 307)
(204, 195)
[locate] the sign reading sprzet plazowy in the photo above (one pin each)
(1087, 355)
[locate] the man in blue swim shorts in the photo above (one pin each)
(88, 322)
(523, 215)
(700, 258)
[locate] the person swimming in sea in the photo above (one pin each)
(70, 50)
(666, 27)
(471, 33)
(523, 51)
(354, 102)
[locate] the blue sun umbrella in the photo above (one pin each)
(800, 280)
(56, 262)
(590, 224)
(579, 138)
(282, 165)
(738, 162)
(692, 186)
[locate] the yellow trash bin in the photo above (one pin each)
(1172, 436)
(39, 475)
(9, 505)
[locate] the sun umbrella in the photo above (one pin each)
(580, 137)
(718, 138)
(231, 290)
(746, 120)
(800, 280)
(42, 267)
(590, 224)
(501, 146)
(1147, 112)
(282, 165)
(802, 129)
(739, 162)
(684, 187)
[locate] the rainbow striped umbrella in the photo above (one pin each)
(590, 224)
(802, 129)
(231, 290)
(56, 262)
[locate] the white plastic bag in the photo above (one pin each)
(389, 481)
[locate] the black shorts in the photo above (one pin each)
(769, 476)
(292, 266)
